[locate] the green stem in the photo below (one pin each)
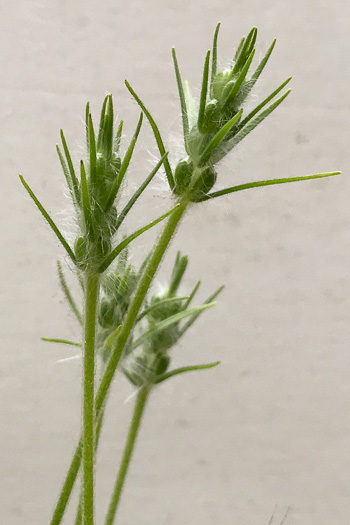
(91, 298)
(137, 302)
(133, 311)
(127, 453)
(79, 515)
(67, 486)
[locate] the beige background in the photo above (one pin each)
(271, 426)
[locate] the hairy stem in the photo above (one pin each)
(91, 298)
(142, 289)
(79, 515)
(127, 453)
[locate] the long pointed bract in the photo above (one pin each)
(184, 112)
(268, 182)
(156, 133)
(49, 220)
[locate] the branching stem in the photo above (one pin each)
(127, 453)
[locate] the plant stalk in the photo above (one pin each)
(79, 515)
(127, 453)
(91, 298)
(142, 289)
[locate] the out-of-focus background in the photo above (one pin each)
(271, 426)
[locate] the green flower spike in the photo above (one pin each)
(147, 357)
(95, 193)
(219, 124)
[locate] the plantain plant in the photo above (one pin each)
(126, 327)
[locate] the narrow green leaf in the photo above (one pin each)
(192, 294)
(262, 65)
(214, 56)
(138, 192)
(156, 133)
(173, 319)
(110, 258)
(92, 151)
(182, 97)
(179, 269)
(195, 316)
(237, 85)
(111, 339)
(87, 112)
(124, 166)
(85, 199)
(239, 49)
(168, 300)
(244, 131)
(252, 40)
(49, 220)
(204, 91)
(108, 126)
(70, 166)
(102, 123)
(119, 136)
(182, 370)
(264, 103)
(245, 51)
(68, 294)
(192, 109)
(61, 341)
(72, 189)
(269, 182)
(218, 138)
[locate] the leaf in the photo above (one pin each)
(110, 258)
(49, 220)
(138, 192)
(124, 166)
(156, 133)
(182, 370)
(111, 339)
(240, 135)
(269, 182)
(168, 300)
(239, 48)
(264, 103)
(75, 182)
(182, 97)
(218, 138)
(192, 109)
(74, 191)
(87, 112)
(237, 85)
(192, 294)
(68, 294)
(245, 51)
(102, 122)
(204, 90)
(179, 269)
(85, 199)
(262, 65)
(61, 341)
(173, 319)
(196, 315)
(119, 136)
(92, 151)
(214, 56)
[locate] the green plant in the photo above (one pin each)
(123, 323)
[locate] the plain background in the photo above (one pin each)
(271, 425)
